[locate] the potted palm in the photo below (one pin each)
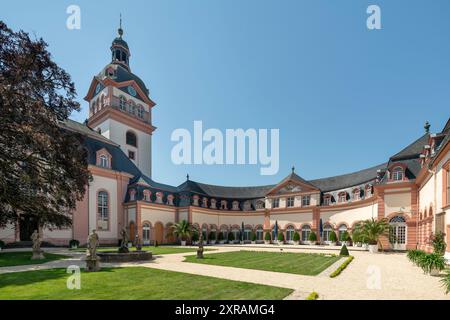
(194, 237)
(432, 263)
(253, 238)
(372, 230)
(345, 238)
(182, 230)
(296, 238)
(212, 237)
(267, 238)
(74, 243)
(312, 238)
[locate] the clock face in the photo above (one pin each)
(132, 91)
(98, 88)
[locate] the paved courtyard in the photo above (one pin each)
(369, 276)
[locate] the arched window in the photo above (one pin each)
(236, 233)
(235, 205)
(131, 139)
(247, 233)
(122, 103)
(147, 194)
(326, 232)
(397, 174)
(259, 233)
(290, 233)
(224, 231)
(342, 229)
(343, 197)
(140, 111)
(146, 233)
(104, 161)
(356, 194)
(102, 210)
(306, 230)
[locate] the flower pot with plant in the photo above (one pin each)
(332, 238)
(212, 237)
(220, 238)
(74, 243)
(296, 238)
(230, 237)
(253, 238)
(312, 238)
(280, 238)
(371, 231)
(2, 245)
(432, 263)
(267, 238)
(182, 230)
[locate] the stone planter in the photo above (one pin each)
(212, 241)
(435, 272)
(373, 248)
(72, 247)
(332, 243)
(296, 243)
(221, 241)
(241, 242)
(183, 242)
(266, 241)
(280, 242)
(253, 242)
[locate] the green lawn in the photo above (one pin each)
(299, 263)
(130, 284)
(8, 259)
(154, 250)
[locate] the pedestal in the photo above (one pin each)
(38, 255)
(92, 264)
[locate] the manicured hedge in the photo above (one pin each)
(342, 267)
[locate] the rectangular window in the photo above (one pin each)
(290, 202)
(306, 200)
(131, 155)
(448, 186)
(326, 201)
(276, 203)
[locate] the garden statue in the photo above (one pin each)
(137, 243)
(38, 254)
(92, 260)
(124, 244)
(200, 247)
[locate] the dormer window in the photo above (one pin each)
(195, 200)
(343, 197)
(159, 197)
(170, 198)
(356, 194)
(147, 194)
(326, 200)
(397, 174)
(205, 202)
(213, 204)
(104, 161)
(235, 205)
(132, 195)
(247, 206)
(223, 205)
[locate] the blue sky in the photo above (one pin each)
(344, 97)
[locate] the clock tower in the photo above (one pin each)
(120, 107)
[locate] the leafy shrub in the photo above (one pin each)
(195, 236)
(446, 283)
(438, 242)
(231, 236)
(280, 236)
(414, 255)
(296, 236)
(267, 236)
(345, 236)
(344, 251)
(2, 244)
(73, 243)
(431, 261)
(212, 235)
(220, 236)
(332, 236)
(253, 236)
(342, 267)
(313, 296)
(312, 236)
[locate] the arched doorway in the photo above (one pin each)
(397, 233)
(159, 232)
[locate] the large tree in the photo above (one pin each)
(43, 166)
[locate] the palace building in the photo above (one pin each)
(411, 189)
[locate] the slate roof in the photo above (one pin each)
(347, 180)
(120, 162)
